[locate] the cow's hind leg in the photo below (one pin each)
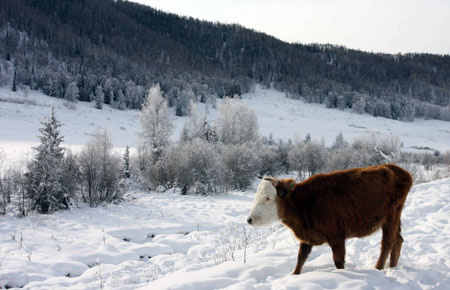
(389, 232)
(338, 248)
(303, 253)
(395, 253)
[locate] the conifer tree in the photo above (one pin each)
(126, 163)
(14, 86)
(43, 179)
(72, 92)
(99, 97)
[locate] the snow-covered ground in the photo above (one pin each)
(284, 118)
(168, 241)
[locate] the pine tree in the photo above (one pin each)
(14, 86)
(43, 179)
(99, 97)
(72, 92)
(126, 163)
(359, 105)
(339, 142)
(120, 100)
(307, 138)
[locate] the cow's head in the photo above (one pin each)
(265, 208)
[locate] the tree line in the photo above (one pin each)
(111, 52)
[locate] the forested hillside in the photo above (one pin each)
(112, 51)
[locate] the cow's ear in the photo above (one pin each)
(290, 185)
(275, 182)
(286, 187)
(281, 192)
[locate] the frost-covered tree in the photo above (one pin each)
(14, 85)
(296, 159)
(100, 170)
(155, 121)
(4, 192)
(108, 88)
(12, 190)
(70, 174)
(359, 104)
(270, 161)
(195, 126)
(132, 94)
(339, 142)
(183, 101)
(72, 92)
(237, 123)
(193, 166)
(307, 138)
(283, 155)
(314, 156)
(126, 163)
(241, 163)
(387, 147)
(43, 178)
(99, 97)
(343, 158)
(366, 151)
(307, 158)
(120, 100)
(341, 102)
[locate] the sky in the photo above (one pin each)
(389, 26)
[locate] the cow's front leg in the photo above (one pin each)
(303, 253)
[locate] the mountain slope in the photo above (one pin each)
(124, 47)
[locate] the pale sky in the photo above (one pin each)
(389, 26)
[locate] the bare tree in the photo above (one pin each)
(100, 171)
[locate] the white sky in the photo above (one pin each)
(390, 26)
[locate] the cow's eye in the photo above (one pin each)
(267, 198)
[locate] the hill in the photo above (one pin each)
(111, 51)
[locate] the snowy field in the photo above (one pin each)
(169, 241)
(284, 118)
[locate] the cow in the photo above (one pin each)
(332, 207)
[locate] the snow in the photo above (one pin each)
(284, 118)
(168, 241)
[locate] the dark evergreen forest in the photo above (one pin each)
(112, 51)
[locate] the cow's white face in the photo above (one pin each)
(264, 211)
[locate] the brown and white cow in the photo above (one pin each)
(332, 207)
